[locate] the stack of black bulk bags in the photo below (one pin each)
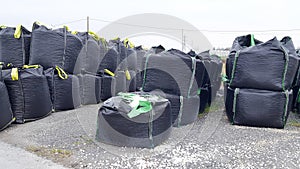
(134, 120)
(131, 66)
(90, 59)
(107, 67)
(6, 116)
(14, 45)
(260, 81)
(64, 89)
(121, 74)
(173, 73)
(28, 92)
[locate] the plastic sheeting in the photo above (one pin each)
(65, 93)
(177, 78)
(90, 89)
(29, 93)
(14, 50)
(146, 130)
(108, 87)
(57, 47)
(6, 116)
(271, 65)
(260, 108)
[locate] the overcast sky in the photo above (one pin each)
(213, 15)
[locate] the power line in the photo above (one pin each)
(69, 22)
(181, 29)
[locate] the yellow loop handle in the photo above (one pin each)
(94, 35)
(61, 73)
(31, 66)
(117, 38)
(18, 32)
(3, 26)
(128, 44)
(127, 74)
(74, 32)
(67, 28)
(109, 72)
(14, 74)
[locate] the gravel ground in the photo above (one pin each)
(67, 138)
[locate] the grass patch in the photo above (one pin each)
(294, 123)
(49, 152)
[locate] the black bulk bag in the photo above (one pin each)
(90, 54)
(259, 108)
(57, 47)
(6, 117)
(201, 72)
(271, 65)
(185, 110)
(156, 49)
(109, 61)
(205, 98)
(121, 82)
(108, 87)
(90, 89)
(131, 59)
(14, 45)
(171, 73)
(28, 92)
(122, 50)
(131, 83)
(145, 124)
(64, 89)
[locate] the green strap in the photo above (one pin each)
(141, 108)
(145, 71)
(180, 112)
(286, 64)
(194, 67)
(224, 78)
(199, 91)
(286, 106)
(236, 92)
(234, 66)
(139, 104)
(252, 40)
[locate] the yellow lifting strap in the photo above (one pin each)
(109, 72)
(31, 66)
(128, 44)
(117, 38)
(18, 32)
(94, 35)
(74, 32)
(127, 74)
(14, 74)
(67, 28)
(61, 73)
(3, 26)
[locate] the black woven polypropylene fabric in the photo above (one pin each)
(262, 66)
(6, 116)
(14, 50)
(260, 108)
(29, 95)
(58, 47)
(116, 128)
(65, 93)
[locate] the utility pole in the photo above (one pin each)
(87, 23)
